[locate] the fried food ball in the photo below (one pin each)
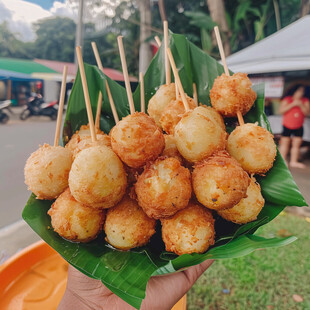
(248, 208)
(127, 226)
(219, 182)
(97, 177)
(212, 114)
(231, 94)
(253, 147)
(80, 135)
(159, 101)
(190, 230)
(75, 221)
(171, 149)
(173, 112)
(85, 143)
(163, 188)
(136, 139)
(47, 171)
(197, 136)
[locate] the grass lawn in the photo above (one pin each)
(265, 279)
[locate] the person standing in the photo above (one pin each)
(294, 109)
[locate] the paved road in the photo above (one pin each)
(17, 140)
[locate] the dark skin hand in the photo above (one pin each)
(162, 293)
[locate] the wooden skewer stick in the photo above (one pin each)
(221, 49)
(177, 80)
(86, 94)
(142, 95)
(166, 41)
(125, 73)
(112, 105)
(99, 105)
(195, 95)
(177, 94)
(61, 105)
(157, 39)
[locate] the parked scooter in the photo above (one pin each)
(4, 117)
(37, 107)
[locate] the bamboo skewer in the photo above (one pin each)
(223, 58)
(177, 80)
(86, 94)
(112, 105)
(157, 39)
(125, 73)
(166, 42)
(195, 95)
(98, 112)
(142, 95)
(61, 105)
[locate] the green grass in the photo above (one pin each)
(265, 279)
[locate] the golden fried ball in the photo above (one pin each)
(248, 208)
(231, 94)
(212, 114)
(85, 143)
(171, 149)
(127, 226)
(73, 220)
(197, 136)
(219, 182)
(253, 147)
(173, 112)
(190, 230)
(97, 177)
(136, 139)
(83, 133)
(160, 100)
(163, 188)
(47, 171)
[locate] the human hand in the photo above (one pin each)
(162, 293)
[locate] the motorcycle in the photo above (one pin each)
(37, 107)
(4, 118)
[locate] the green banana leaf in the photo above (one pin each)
(127, 273)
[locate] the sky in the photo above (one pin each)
(21, 14)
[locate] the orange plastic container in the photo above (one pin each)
(35, 279)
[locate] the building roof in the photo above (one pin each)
(16, 76)
(286, 50)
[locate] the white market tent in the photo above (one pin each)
(286, 50)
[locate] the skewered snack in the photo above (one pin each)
(219, 182)
(47, 170)
(73, 220)
(173, 112)
(194, 233)
(127, 226)
(163, 188)
(136, 139)
(171, 149)
(163, 96)
(212, 114)
(253, 147)
(232, 94)
(248, 208)
(97, 178)
(198, 136)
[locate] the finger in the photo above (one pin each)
(194, 272)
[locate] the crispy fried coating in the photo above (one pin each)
(136, 139)
(159, 101)
(171, 149)
(75, 221)
(173, 112)
(47, 171)
(127, 226)
(253, 147)
(248, 208)
(97, 177)
(83, 133)
(219, 182)
(85, 143)
(212, 114)
(197, 136)
(163, 188)
(190, 230)
(231, 94)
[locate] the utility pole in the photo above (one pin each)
(79, 29)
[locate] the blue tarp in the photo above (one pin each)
(16, 76)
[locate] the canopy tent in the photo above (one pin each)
(286, 50)
(16, 76)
